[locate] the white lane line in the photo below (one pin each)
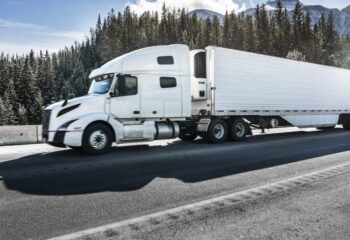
(210, 204)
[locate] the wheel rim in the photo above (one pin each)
(219, 131)
(239, 129)
(98, 140)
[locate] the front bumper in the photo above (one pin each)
(64, 138)
(58, 139)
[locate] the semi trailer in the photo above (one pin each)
(166, 92)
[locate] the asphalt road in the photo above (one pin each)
(47, 192)
(317, 211)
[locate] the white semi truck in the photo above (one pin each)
(165, 92)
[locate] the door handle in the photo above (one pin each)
(136, 112)
(154, 112)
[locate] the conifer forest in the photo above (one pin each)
(30, 82)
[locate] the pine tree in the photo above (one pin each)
(226, 31)
(281, 33)
(331, 41)
(27, 92)
(45, 78)
(234, 31)
(2, 113)
(263, 30)
(215, 31)
(298, 19)
(207, 29)
(4, 74)
(250, 36)
(307, 37)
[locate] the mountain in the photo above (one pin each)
(341, 17)
(288, 4)
(204, 14)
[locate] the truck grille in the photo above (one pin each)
(46, 122)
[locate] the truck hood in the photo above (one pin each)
(79, 100)
(77, 108)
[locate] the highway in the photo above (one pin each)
(48, 192)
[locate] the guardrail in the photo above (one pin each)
(14, 135)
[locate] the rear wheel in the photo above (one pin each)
(238, 130)
(346, 122)
(97, 139)
(217, 132)
(75, 148)
(346, 125)
(188, 134)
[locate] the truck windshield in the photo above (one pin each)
(101, 85)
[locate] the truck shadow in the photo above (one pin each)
(129, 168)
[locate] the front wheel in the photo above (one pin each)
(97, 139)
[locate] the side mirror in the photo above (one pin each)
(113, 94)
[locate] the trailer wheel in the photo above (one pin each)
(97, 139)
(238, 130)
(217, 132)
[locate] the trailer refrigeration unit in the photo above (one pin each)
(166, 92)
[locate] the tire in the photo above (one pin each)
(188, 134)
(326, 128)
(217, 132)
(75, 148)
(238, 130)
(97, 139)
(346, 125)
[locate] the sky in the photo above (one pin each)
(53, 24)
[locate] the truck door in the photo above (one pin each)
(152, 105)
(161, 96)
(125, 99)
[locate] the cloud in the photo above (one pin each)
(13, 24)
(72, 35)
(219, 6)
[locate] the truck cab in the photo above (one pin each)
(141, 96)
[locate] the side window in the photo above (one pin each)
(165, 60)
(126, 86)
(200, 65)
(168, 82)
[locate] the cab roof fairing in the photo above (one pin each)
(145, 61)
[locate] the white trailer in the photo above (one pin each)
(166, 92)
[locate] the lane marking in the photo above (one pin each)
(105, 232)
